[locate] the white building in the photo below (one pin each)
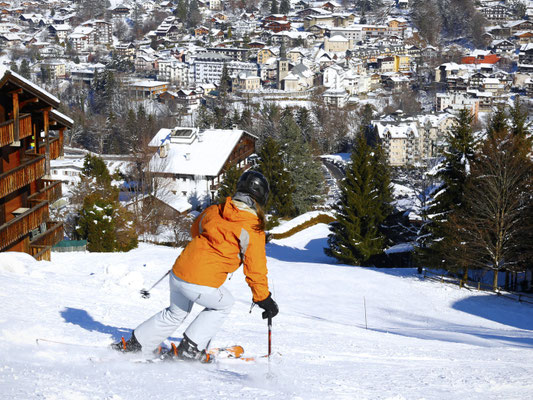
(174, 71)
(190, 163)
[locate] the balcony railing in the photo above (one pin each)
(29, 171)
(52, 236)
(51, 192)
(20, 226)
(56, 147)
(7, 129)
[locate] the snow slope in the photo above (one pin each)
(420, 339)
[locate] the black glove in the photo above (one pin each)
(270, 307)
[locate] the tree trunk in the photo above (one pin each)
(495, 281)
(465, 274)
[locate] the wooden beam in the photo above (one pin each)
(47, 136)
(16, 127)
(28, 101)
(16, 91)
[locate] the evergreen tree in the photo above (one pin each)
(306, 173)
(25, 69)
(382, 183)
(272, 166)
(204, 118)
(518, 118)
(303, 118)
(223, 87)
(229, 184)
(103, 222)
(285, 7)
(453, 174)
(355, 235)
(456, 166)
(14, 67)
(274, 7)
(498, 122)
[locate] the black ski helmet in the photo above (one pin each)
(256, 185)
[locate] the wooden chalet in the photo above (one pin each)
(31, 134)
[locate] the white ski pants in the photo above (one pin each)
(217, 302)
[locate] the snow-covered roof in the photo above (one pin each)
(204, 155)
(5, 71)
(177, 202)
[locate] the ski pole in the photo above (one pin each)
(269, 337)
(146, 293)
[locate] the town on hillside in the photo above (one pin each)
(148, 111)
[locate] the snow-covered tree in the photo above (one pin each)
(355, 235)
(306, 173)
(272, 166)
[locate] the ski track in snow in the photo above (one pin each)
(420, 340)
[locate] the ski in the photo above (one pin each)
(227, 352)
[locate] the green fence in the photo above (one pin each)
(70, 245)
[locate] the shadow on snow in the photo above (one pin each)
(313, 252)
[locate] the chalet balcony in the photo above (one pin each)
(18, 227)
(29, 171)
(51, 192)
(41, 245)
(7, 129)
(56, 147)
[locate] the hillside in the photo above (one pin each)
(424, 339)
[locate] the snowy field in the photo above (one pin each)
(420, 339)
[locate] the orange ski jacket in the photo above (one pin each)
(223, 238)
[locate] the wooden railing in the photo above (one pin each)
(56, 147)
(51, 192)
(41, 253)
(20, 226)
(7, 129)
(52, 236)
(29, 171)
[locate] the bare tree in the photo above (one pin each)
(489, 232)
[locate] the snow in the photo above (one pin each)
(342, 332)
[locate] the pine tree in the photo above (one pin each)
(454, 174)
(229, 184)
(285, 7)
(306, 173)
(303, 118)
(103, 222)
(25, 69)
(272, 166)
(355, 235)
(456, 166)
(518, 118)
(274, 7)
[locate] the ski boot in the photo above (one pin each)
(187, 350)
(130, 346)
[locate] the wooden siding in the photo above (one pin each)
(7, 131)
(51, 192)
(21, 176)
(52, 236)
(20, 226)
(56, 147)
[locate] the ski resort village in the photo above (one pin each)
(266, 199)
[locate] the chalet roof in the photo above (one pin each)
(19, 81)
(214, 145)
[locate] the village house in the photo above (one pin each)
(147, 89)
(179, 162)
(245, 81)
(414, 140)
(337, 43)
(31, 134)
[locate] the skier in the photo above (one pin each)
(224, 236)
